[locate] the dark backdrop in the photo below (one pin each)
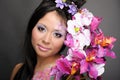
(14, 15)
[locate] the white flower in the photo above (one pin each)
(69, 55)
(70, 28)
(82, 39)
(100, 68)
(84, 17)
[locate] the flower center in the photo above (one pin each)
(77, 29)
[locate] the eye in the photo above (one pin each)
(58, 35)
(41, 28)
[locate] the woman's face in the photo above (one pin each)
(48, 34)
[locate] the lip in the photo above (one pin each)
(43, 48)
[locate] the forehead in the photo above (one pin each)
(53, 20)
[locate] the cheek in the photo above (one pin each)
(58, 44)
(35, 36)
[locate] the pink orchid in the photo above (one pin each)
(96, 36)
(64, 65)
(104, 44)
(110, 53)
(56, 73)
(107, 42)
(102, 52)
(74, 55)
(87, 47)
(79, 54)
(88, 64)
(95, 23)
(69, 41)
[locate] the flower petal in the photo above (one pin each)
(93, 73)
(83, 66)
(63, 65)
(111, 54)
(100, 68)
(95, 23)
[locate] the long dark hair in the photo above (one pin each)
(27, 70)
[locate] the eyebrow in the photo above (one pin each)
(41, 24)
(59, 30)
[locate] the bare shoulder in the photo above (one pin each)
(15, 70)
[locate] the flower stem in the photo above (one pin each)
(69, 77)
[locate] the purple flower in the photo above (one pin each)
(72, 9)
(60, 4)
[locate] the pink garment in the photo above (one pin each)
(42, 75)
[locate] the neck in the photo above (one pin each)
(46, 62)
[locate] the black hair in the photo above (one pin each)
(27, 70)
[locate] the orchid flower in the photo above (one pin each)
(81, 35)
(84, 17)
(87, 46)
(69, 40)
(105, 44)
(64, 67)
(88, 64)
(95, 23)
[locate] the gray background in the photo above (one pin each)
(14, 15)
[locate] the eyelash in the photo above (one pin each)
(41, 28)
(58, 35)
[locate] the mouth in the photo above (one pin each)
(42, 48)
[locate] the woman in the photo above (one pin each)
(44, 40)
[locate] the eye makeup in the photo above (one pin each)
(61, 29)
(41, 28)
(58, 34)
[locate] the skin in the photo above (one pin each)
(46, 42)
(48, 37)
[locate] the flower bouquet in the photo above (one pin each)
(87, 49)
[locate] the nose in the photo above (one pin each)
(47, 38)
